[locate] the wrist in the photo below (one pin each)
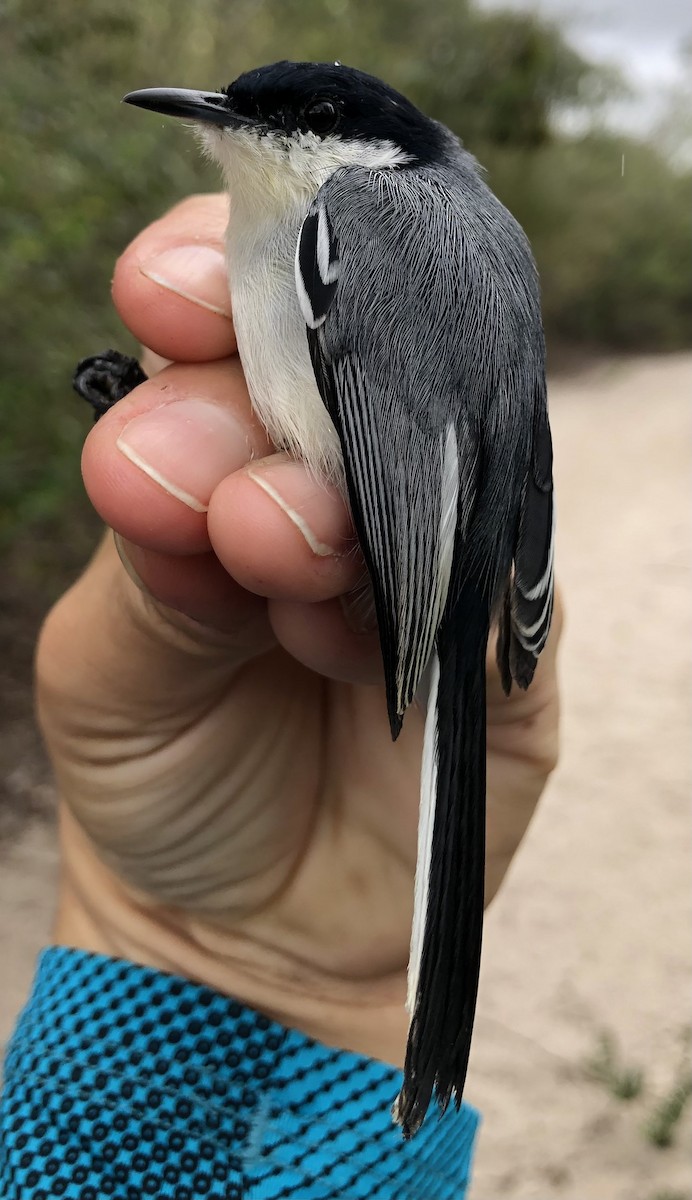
(99, 913)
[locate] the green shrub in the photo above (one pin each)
(81, 175)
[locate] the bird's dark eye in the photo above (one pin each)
(321, 116)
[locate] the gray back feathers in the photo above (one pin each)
(430, 361)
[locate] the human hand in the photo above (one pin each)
(233, 808)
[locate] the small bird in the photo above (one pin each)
(387, 313)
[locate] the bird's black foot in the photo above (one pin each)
(105, 378)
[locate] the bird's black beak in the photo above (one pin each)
(212, 108)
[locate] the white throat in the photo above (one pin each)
(275, 173)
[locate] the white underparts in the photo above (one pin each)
(273, 179)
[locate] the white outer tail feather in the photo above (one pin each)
(449, 502)
(426, 823)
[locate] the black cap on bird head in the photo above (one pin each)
(295, 100)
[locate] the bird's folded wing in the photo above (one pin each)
(409, 459)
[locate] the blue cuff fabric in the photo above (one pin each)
(122, 1081)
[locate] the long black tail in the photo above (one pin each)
(442, 1021)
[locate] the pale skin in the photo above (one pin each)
(232, 807)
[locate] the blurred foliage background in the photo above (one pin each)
(80, 175)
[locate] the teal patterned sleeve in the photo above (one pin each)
(122, 1081)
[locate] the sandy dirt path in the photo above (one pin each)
(592, 930)
(591, 933)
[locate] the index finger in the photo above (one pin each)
(170, 285)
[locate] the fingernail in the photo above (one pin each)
(318, 547)
(187, 447)
(197, 273)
